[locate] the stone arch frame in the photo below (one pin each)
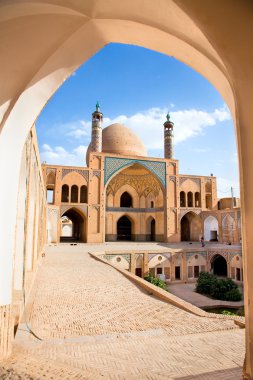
(194, 40)
(217, 255)
(51, 174)
(195, 215)
(129, 189)
(149, 231)
(77, 210)
(65, 186)
(225, 218)
(131, 218)
(182, 198)
(163, 189)
(128, 165)
(206, 220)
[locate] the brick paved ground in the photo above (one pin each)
(97, 324)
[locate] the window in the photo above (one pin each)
(126, 200)
(182, 199)
(50, 195)
(152, 204)
(74, 194)
(83, 194)
(190, 199)
(65, 193)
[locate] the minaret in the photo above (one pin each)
(168, 137)
(96, 133)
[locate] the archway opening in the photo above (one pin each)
(190, 199)
(211, 229)
(74, 194)
(219, 266)
(65, 193)
(75, 232)
(152, 235)
(126, 200)
(182, 199)
(83, 194)
(124, 229)
(190, 227)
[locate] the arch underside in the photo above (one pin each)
(195, 34)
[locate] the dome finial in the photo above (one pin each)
(97, 106)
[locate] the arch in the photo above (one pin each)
(74, 194)
(131, 191)
(196, 40)
(77, 233)
(151, 229)
(189, 199)
(160, 264)
(126, 164)
(126, 200)
(197, 199)
(65, 193)
(191, 229)
(83, 194)
(219, 266)
(124, 228)
(51, 178)
(182, 199)
(228, 229)
(211, 229)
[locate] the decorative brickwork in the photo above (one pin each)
(112, 165)
(84, 173)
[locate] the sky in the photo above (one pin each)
(137, 87)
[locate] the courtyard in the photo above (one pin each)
(95, 323)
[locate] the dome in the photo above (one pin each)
(119, 139)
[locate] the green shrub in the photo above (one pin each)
(221, 289)
(155, 281)
(233, 295)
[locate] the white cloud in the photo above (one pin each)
(148, 125)
(78, 129)
(60, 156)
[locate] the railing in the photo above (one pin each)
(134, 209)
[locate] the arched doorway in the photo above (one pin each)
(124, 228)
(219, 266)
(211, 229)
(72, 227)
(152, 235)
(151, 229)
(190, 227)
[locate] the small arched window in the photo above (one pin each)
(182, 199)
(152, 204)
(126, 200)
(74, 194)
(65, 193)
(190, 199)
(197, 199)
(83, 194)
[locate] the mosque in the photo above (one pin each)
(123, 194)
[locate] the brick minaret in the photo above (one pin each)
(168, 137)
(96, 134)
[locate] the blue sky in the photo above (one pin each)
(137, 86)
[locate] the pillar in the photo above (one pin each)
(145, 264)
(132, 262)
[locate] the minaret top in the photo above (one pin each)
(97, 115)
(97, 107)
(168, 122)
